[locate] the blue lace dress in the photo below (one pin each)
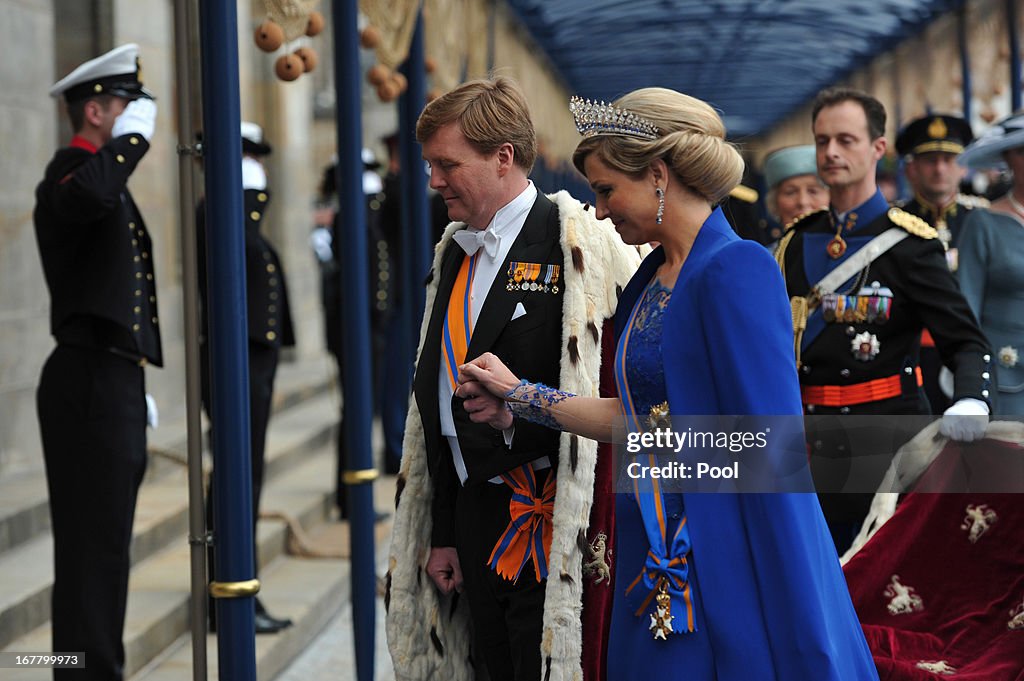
(633, 651)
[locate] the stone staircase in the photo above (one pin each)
(300, 470)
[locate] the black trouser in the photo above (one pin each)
(92, 415)
(850, 453)
(508, 618)
(262, 370)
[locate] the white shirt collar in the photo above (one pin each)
(511, 215)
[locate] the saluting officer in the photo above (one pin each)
(929, 146)
(98, 266)
(270, 328)
(859, 310)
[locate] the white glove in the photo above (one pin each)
(138, 117)
(965, 421)
(320, 241)
(152, 414)
(253, 174)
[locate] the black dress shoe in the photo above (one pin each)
(265, 624)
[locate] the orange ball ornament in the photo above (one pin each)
(269, 36)
(378, 74)
(400, 81)
(288, 67)
(387, 91)
(316, 23)
(308, 57)
(369, 37)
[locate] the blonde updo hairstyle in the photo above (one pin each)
(691, 142)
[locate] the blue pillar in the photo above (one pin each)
(418, 231)
(1011, 22)
(965, 62)
(355, 316)
(228, 342)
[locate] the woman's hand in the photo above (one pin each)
(489, 372)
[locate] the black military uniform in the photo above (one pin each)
(269, 329)
(98, 264)
(859, 353)
(944, 134)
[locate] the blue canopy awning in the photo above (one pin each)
(755, 60)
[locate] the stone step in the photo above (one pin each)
(310, 591)
(162, 514)
(24, 512)
(306, 589)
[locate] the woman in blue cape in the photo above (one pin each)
(709, 586)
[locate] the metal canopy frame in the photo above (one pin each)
(757, 61)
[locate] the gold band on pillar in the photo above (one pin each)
(360, 477)
(249, 587)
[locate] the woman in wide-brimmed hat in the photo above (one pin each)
(992, 259)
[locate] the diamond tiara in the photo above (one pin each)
(601, 118)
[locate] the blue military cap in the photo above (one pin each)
(115, 73)
(789, 162)
(935, 132)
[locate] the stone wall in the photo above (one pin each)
(925, 73)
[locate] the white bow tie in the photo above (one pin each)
(471, 240)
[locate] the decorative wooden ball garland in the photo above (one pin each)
(286, 21)
(389, 83)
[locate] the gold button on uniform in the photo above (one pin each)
(255, 215)
(133, 140)
(138, 309)
(271, 335)
(271, 268)
(136, 259)
(135, 327)
(131, 225)
(154, 320)
(138, 275)
(261, 197)
(120, 158)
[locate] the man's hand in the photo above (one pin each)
(484, 407)
(491, 373)
(443, 567)
(965, 420)
(138, 117)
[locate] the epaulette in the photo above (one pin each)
(744, 193)
(971, 201)
(913, 224)
(800, 218)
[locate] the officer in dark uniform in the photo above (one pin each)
(929, 146)
(329, 243)
(98, 264)
(270, 329)
(858, 353)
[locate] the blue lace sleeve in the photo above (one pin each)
(535, 401)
